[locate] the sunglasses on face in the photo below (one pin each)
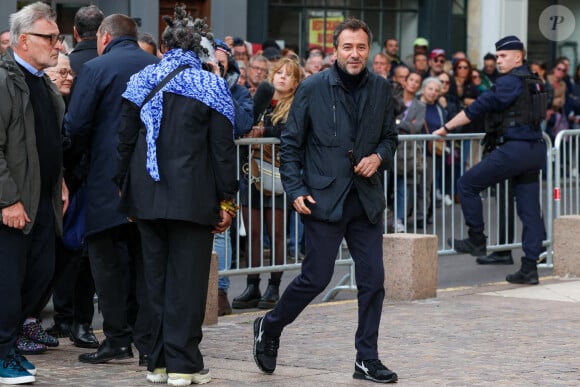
(439, 60)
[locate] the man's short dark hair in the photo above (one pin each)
(354, 24)
(489, 56)
(87, 21)
(387, 39)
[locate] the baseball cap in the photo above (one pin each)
(437, 52)
(421, 42)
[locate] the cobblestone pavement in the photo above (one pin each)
(497, 334)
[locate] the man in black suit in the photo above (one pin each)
(92, 123)
(333, 158)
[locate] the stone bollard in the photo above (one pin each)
(211, 304)
(566, 246)
(410, 266)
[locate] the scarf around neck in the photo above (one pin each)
(193, 82)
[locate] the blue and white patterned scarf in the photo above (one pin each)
(192, 82)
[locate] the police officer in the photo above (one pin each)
(515, 106)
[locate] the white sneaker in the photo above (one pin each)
(201, 377)
(159, 375)
(448, 200)
(399, 226)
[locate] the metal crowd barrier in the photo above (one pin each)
(423, 210)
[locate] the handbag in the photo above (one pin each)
(436, 147)
(265, 169)
(266, 177)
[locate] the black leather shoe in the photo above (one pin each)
(59, 329)
(143, 360)
(82, 336)
(105, 353)
(495, 259)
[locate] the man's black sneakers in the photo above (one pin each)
(265, 348)
(373, 370)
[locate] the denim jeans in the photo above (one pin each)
(222, 245)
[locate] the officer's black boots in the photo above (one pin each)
(474, 245)
(527, 275)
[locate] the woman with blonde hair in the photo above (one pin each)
(285, 75)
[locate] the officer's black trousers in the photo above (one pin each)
(510, 160)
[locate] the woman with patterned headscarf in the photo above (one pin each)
(177, 175)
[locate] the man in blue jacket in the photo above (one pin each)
(340, 139)
(92, 122)
(515, 107)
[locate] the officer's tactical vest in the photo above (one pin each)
(528, 109)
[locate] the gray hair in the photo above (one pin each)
(23, 20)
(429, 80)
(186, 33)
(257, 58)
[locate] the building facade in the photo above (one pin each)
(471, 26)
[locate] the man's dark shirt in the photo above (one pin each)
(84, 51)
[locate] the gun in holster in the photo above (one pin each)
(493, 132)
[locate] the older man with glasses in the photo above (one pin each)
(257, 72)
(32, 194)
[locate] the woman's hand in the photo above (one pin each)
(255, 132)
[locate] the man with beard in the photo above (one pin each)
(332, 172)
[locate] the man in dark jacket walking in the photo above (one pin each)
(92, 123)
(340, 138)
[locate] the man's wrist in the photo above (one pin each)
(446, 128)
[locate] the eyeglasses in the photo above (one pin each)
(64, 72)
(53, 38)
(259, 69)
(462, 67)
(439, 60)
(238, 54)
